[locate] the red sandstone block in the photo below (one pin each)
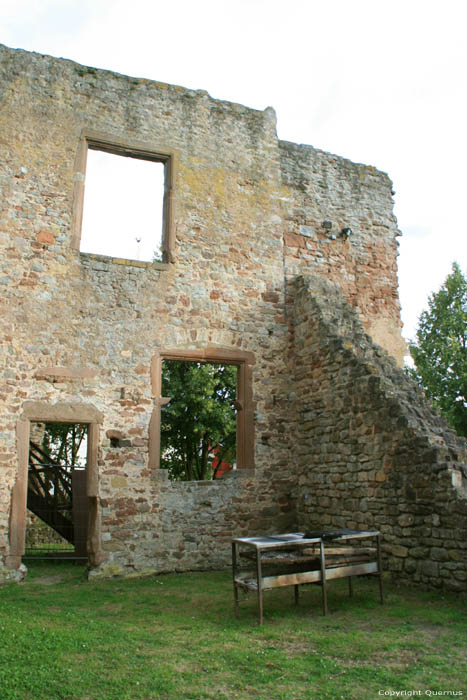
(115, 434)
(45, 237)
(294, 240)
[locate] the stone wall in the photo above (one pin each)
(81, 330)
(39, 535)
(81, 333)
(318, 187)
(371, 453)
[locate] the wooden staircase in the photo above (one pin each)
(50, 492)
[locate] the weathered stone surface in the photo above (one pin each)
(342, 438)
(406, 487)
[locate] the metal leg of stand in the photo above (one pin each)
(259, 581)
(350, 587)
(296, 594)
(323, 579)
(234, 574)
(380, 570)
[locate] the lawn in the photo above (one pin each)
(175, 637)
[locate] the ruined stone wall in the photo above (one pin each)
(370, 451)
(80, 329)
(319, 187)
(79, 332)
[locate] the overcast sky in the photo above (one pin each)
(380, 82)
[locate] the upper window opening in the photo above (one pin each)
(123, 207)
(123, 200)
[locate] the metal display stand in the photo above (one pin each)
(297, 558)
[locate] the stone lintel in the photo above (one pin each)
(65, 373)
(43, 412)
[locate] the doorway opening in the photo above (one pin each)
(199, 424)
(57, 504)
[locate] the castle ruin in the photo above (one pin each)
(277, 258)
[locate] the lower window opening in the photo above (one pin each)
(199, 425)
(57, 505)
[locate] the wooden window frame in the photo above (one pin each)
(133, 149)
(244, 402)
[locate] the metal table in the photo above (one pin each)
(297, 558)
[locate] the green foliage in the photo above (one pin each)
(157, 255)
(62, 442)
(200, 416)
(440, 352)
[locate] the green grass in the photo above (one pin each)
(175, 637)
(50, 549)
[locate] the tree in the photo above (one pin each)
(62, 441)
(440, 351)
(200, 417)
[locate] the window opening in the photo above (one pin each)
(123, 206)
(199, 425)
(57, 507)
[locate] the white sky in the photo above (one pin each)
(110, 226)
(380, 82)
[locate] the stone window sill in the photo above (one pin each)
(163, 475)
(123, 261)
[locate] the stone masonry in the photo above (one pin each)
(277, 257)
(371, 453)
